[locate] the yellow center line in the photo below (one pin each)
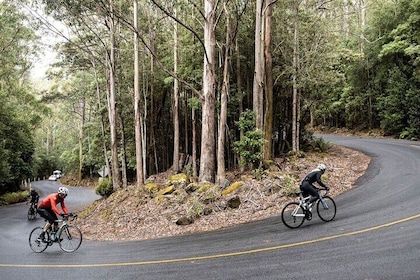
(224, 255)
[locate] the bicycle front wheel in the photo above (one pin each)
(70, 238)
(36, 245)
(31, 213)
(293, 215)
(326, 215)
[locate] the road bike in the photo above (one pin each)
(294, 213)
(68, 237)
(32, 213)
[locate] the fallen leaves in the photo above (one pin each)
(134, 216)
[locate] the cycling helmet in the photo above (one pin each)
(322, 167)
(63, 190)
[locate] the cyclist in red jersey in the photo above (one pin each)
(49, 211)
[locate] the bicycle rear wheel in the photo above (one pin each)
(326, 215)
(70, 238)
(293, 215)
(37, 246)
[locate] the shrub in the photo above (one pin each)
(321, 146)
(289, 185)
(249, 147)
(104, 188)
(15, 197)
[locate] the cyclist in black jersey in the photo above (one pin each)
(308, 188)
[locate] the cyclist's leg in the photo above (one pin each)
(50, 216)
(308, 188)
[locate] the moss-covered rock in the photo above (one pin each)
(192, 187)
(167, 190)
(178, 179)
(203, 188)
(151, 188)
(233, 187)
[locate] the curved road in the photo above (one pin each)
(375, 235)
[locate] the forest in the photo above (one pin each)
(141, 87)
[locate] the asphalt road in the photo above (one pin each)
(375, 235)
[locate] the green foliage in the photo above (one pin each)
(250, 146)
(104, 187)
(289, 185)
(14, 197)
(18, 108)
(320, 145)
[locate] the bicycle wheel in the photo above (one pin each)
(70, 238)
(326, 215)
(293, 215)
(31, 213)
(37, 246)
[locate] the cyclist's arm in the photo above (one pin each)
(63, 206)
(318, 180)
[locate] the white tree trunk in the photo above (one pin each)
(137, 113)
(176, 101)
(258, 85)
(207, 159)
(112, 109)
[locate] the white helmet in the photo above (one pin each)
(321, 167)
(63, 190)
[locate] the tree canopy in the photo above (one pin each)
(347, 64)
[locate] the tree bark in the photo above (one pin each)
(268, 116)
(295, 106)
(258, 85)
(176, 101)
(81, 135)
(221, 173)
(137, 113)
(112, 109)
(207, 159)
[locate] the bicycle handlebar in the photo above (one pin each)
(69, 216)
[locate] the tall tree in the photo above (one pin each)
(176, 100)
(112, 99)
(137, 101)
(207, 159)
(258, 85)
(268, 85)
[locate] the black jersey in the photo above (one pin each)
(314, 176)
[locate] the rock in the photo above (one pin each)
(234, 202)
(207, 211)
(184, 221)
(191, 188)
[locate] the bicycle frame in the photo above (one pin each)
(302, 200)
(62, 227)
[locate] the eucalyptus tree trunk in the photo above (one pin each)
(296, 102)
(123, 155)
(194, 143)
(104, 142)
(268, 116)
(207, 159)
(82, 112)
(112, 110)
(221, 174)
(137, 113)
(176, 102)
(258, 84)
(239, 88)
